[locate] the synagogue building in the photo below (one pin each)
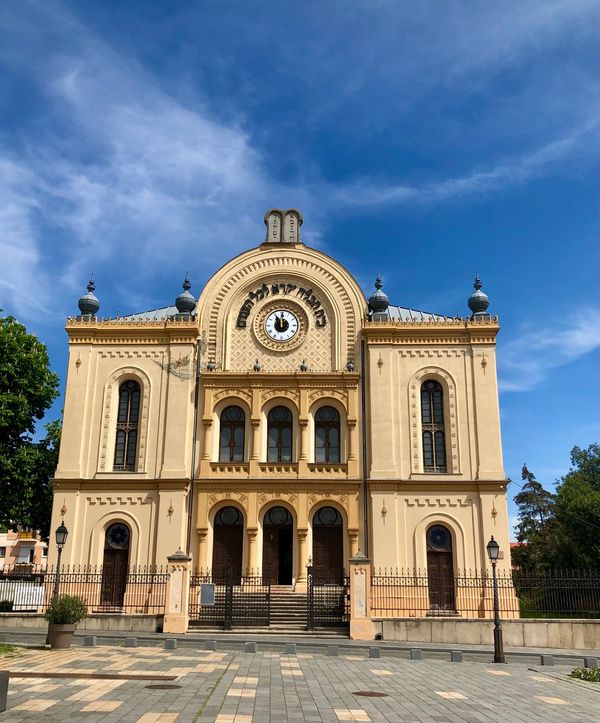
(282, 422)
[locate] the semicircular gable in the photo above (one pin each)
(317, 290)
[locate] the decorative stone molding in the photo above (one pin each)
(432, 353)
(129, 354)
(265, 497)
(438, 502)
(109, 416)
(239, 497)
(122, 501)
(450, 415)
(239, 393)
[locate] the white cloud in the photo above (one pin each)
(526, 361)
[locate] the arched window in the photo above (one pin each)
(231, 440)
(127, 426)
(327, 435)
(279, 435)
(432, 423)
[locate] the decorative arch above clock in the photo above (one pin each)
(320, 294)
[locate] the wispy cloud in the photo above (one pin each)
(526, 361)
(508, 173)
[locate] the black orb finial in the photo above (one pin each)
(88, 303)
(185, 302)
(378, 301)
(478, 301)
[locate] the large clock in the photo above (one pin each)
(281, 325)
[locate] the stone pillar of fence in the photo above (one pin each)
(178, 593)
(361, 626)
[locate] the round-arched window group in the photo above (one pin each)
(280, 434)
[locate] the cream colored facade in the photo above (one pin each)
(366, 367)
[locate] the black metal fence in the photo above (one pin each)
(229, 601)
(29, 588)
(327, 602)
(548, 594)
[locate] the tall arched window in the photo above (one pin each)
(327, 435)
(432, 423)
(231, 439)
(279, 435)
(127, 426)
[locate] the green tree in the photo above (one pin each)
(536, 522)
(577, 512)
(27, 389)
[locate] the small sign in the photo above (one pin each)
(207, 593)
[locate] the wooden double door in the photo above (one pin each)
(440, 569)
(278, 546)
(228, 543)
(327, 544)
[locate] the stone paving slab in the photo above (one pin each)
(238, 687)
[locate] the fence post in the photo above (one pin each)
(178, 593)
(361, 626)
(228, 598)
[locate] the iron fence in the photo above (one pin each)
(327, 602)
(229, 601)
(550, 594)
(29, 588)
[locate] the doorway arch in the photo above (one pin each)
(228, 542)
(115, 564)
(278, 542)
(440, 569)
(327, 544)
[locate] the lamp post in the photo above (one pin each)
(493, 551)
(61, 535)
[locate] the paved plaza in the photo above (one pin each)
(238, 687)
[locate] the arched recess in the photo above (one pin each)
(287, 402)
(340, 407)
(459, 551)
(109, 417)
(228, 544)
(448, 384)
(219, 407)
(329, 527)
(278, 524)
(98, 533)
(115, 565)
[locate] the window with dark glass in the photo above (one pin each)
(231, 440)
(279, 435)
(127, 426)
(432, 424)
(327, 435)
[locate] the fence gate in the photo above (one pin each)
(327, 602)
(238, 601)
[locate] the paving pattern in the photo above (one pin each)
(236, 687)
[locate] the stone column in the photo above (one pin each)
(206, 441)
(253, 566)
(303, 456)
(302, 558)
(202, 545)
(353, 535)
(254, 469)
(361, 626)
(178, 593)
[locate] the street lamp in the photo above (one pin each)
(493, 551)
(61, 535)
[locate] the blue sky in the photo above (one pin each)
(429, 140)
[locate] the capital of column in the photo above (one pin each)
(252, 532)
(207, 423)
(302, 533)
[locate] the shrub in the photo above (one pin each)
(590, 674)
(66, 610)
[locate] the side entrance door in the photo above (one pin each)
(278, 546)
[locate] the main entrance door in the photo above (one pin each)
(440, 569)
(114, 565)
(328, 544)
(227, 545)
(278, 528)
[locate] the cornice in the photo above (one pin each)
(299, 380)
(447, 331)
(449, 487)
(119, 484)
(260, 485)
(125, 331)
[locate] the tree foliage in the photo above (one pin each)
(27, 389)
(563, 529)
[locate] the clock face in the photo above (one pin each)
(281, 325)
